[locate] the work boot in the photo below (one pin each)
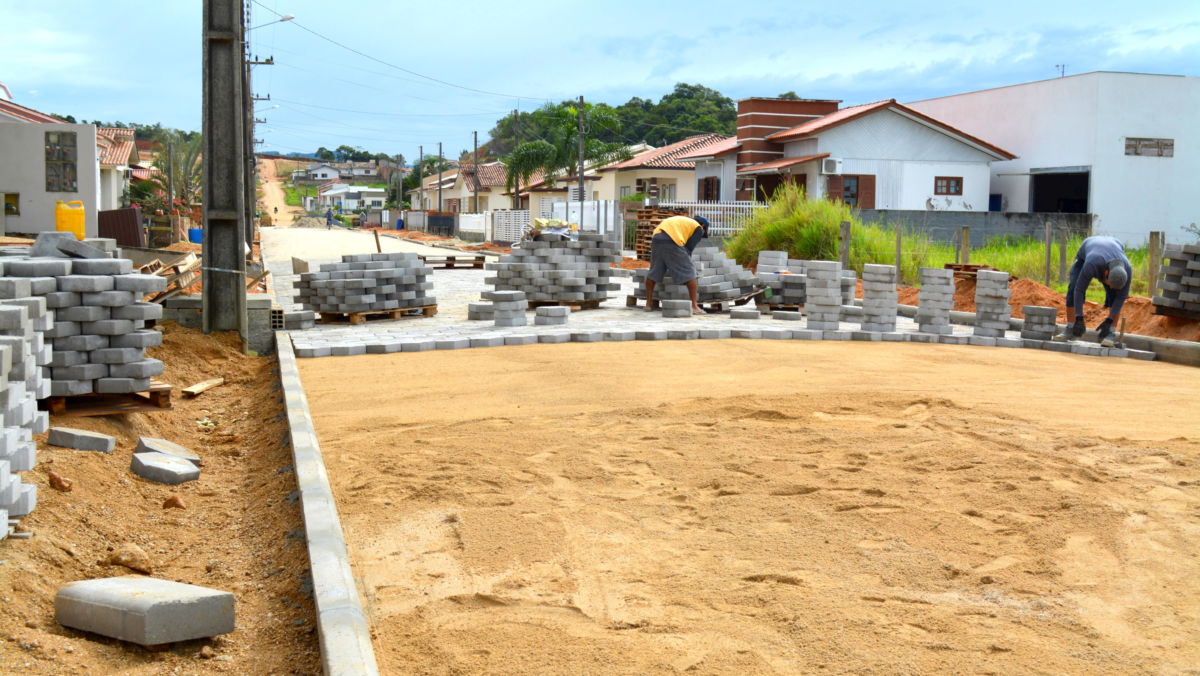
(1064, 336)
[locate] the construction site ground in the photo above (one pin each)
(240, 530)
(743, 507)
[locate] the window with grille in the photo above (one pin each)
(61, 174)
(947, 185)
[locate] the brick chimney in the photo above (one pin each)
(760, 117)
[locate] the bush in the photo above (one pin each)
(808, 229)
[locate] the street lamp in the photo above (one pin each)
(285, 17)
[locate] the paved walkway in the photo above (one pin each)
(613, 321)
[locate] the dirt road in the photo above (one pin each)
(767, 507)
(273, 195)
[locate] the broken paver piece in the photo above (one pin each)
(155, 445)
(69, 437)
(163, 468)
(144, 610)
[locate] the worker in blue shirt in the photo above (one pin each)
(1101, 258)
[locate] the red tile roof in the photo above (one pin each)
(116, 133)
(775, 165)
(814, 127)
(142, 173)
(728, 145)
(20, 112)
(668, 156)
(490, 175)
(118, 153)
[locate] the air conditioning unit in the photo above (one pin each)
(831, 166)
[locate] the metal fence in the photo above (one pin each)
(725, 218)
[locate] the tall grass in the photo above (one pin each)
(808, 229)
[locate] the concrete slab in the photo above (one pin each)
(144, 610)
(69, 437)
(163, 468)
(156, 445)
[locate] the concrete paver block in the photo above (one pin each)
(144, 610)
(163, 468)
(69, 437)
(156, 445)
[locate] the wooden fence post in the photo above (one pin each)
(378, 245)
(1049, 244)
(899, 258)
(1154, 260)
(844, 244)
(964, 244)
(1062, 256)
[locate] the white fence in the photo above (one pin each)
(508, 225)
(416, 220)
(725, 218)
(603, 216)
(473, 223)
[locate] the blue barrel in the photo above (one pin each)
(399, 223)
(196, 235)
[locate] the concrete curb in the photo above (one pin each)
(342, 624)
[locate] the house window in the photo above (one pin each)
(1150, 147)
(12, 204)
(626, 191)
(850, 190)
(710, 189)
(947, 185)
(667, 192)
(60, 162)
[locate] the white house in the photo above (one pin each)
(45, 160)
(348, 197)
(880, 155)
(1122, 146)
(321, 172)
(118, 154)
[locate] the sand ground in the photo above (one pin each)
(743, 507)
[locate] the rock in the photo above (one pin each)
(60, 483)
(175, 502)
(132, 557)
(206, 652)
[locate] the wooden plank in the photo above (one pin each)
(259, 278)
(204, 386)
(356, 318)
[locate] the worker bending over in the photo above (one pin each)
(1101, 258)
(671, 249)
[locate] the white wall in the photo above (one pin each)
(1083, 120)
(724, 168)
(23, 171)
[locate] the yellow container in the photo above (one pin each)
(69, 217)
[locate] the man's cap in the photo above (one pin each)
(703, 223)
(1117, 277)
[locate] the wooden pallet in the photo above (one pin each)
(157, 398)
(575, 305)
(378, 315)
(1176, 312)
(709, 306)
(455, 262)
(968, 270)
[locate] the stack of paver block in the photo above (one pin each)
(1179, 283)
(991, 303)
(378, 282)
(508, 307)
(849, 285)
(783, 276)
(1040, 322)
(824, 294)
(879, 298)
(299, 319)
(935, 301)
(718, 277)
(560, 271)
(552, 315)
(676, 308)
(96, 332)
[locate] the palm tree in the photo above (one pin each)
(558, 150)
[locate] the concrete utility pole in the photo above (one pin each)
(223, 302)
(582, 194)
(475, 197)
(441, 161)
(420, 178)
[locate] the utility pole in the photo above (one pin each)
(420, 178)
(581, 164)
(475, 206)
(441, 161)
(223, 302)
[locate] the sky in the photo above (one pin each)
(390, 76)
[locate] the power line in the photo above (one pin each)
(368, 112)
(392, 65)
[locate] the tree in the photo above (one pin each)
(790, 96)
(324, 154)
(343, 153)
(557, 151)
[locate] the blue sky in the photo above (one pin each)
(140, 61)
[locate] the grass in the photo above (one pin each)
(808, 229)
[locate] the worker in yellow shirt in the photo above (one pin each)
(671, 254)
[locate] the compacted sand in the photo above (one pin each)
(746, 507)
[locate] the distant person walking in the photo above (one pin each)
(671, 248)
(1101, 258)
(328, 218)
